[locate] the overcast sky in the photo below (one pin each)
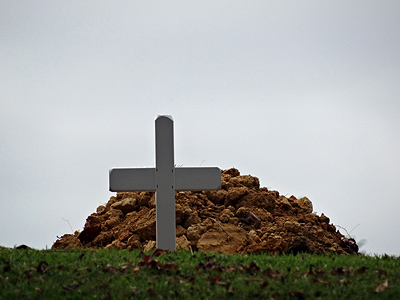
(305, 95)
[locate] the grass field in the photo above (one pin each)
(120, 274)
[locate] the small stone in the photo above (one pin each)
(192, 219)
(324, 219)
(228, 212)
(224, 218)
(180, 230)
(68, 241)
(242, 212)
(193, 236)
(258, 199)
(234, 195)
(246, 180)
(320, 233)
(103, 239)
(179, 213)
(112, 222)
(101, 210)
(114, 213)
(232, 172)
(231, 208)
(254, 236)
(133, 242)
(116, 245)
(182, 243)
(150, 245)
(292, 226)
(126, 205)
(305, 204)
(217, 197)
(144, 198)
(285, 204)
(195, 232)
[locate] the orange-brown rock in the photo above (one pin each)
(239, 218)
(68, 241)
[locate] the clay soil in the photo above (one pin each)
(239, 218)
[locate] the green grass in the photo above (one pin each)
(120, 274)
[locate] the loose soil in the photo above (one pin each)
(239, 218)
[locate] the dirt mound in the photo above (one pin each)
(239, 218)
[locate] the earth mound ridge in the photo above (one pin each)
(239, 218)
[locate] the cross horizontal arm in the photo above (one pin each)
(197, 178)
(130, 180)
(144, 179)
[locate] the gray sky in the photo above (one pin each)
(302, 94)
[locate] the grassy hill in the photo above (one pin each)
(122, 274)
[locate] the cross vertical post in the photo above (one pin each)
(165, 183)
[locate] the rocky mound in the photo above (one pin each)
(239, 218)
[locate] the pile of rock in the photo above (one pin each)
(239, 218)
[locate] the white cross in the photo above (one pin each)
(165, 179)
